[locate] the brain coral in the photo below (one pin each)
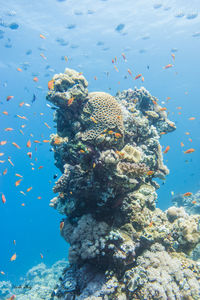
(103, 112)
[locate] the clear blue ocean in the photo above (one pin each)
(41, 38)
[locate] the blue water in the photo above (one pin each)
(90, 34)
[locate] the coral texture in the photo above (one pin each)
(121, 245)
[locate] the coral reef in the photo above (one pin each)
(121, 245)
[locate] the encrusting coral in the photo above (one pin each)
(121, 245)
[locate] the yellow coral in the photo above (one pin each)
(103, 113)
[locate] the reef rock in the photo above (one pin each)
(121, 245)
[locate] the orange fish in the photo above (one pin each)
(163, 109)
(47, 125)
(19, 69)
(168, 66)
(179, 107)
(13, 257)
(41, 255)
(39, 197)
(113, 61)
(179, 113)
(194, 202)
(190, 140)
(17, 146)
(189, 151)
(187, 194)
(30, 188)
(93, 119)
(9, 160)
(192, 118)
(12, 297)
(168, 98)
(51, 84)
(29, 154)
(166, 149)
(82, 151)
(9, 97)
(23, 204)
(8, 129)
(5, 171)
(151, 224)
(173, 56)
(187, 133)
(5, 113)
(129, 72)
(2, 161)
(138, 76)
(116, 69)
(110, 132)
(1, 154)
(46, 141)
(2, 143)
(65, 58)
(35, 79)
(149, 173)
(118, 135)
(142, 78)
(2, 272)
(42, 36)
(21, 104)
(61, 225)
(22, 117)
(36, 141)
(18, 182)
(28, 144)
(70, 101)
(161, 133)
(3, 198)
(18, 175)
(182, 145)
(40, 167)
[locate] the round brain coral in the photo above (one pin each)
(102, 112)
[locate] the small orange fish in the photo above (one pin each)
(23, 204)
(2, 143)
(5, 113)
(42, 36)
(182, 145)
(187, 194)
(65, 58)
(149, 173)
(9, 160)
(161, 133)
(187, 133)
(163, 109)
(190, 140)
(13, 257)
(12, 297)
(110, 132)
(39, 197)
(118, 135)
(46, 141)
(8, 129)
(168, 66)
(168, 98)
(28, 144)
(194, 202)
(29, 154)
(116, 69)
(124, 57)
(179, 107)
(151, 224)
(5, 171)
(35, 79)
(3, 198)
(36, 141)
(51, 84)
(21, 104)
(179, 113)
(129, 72)
(47, 125)
(2, 161)
(70, 101)
(82, 151)
(173, 56)
(192, 118)
(22, 117)
(17, 146)
(1, 154)
(142, 78)
(41, 255)
(61, 225)
(2, 272)
(9, 97)
(189, 151)
(57, 141)
(166, 149)
(18, 182)
(138, 76)
(30, 188)
(40, 167)
(154, 102)
(18, 175)
(93, 119)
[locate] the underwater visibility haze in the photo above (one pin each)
(100, 118)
